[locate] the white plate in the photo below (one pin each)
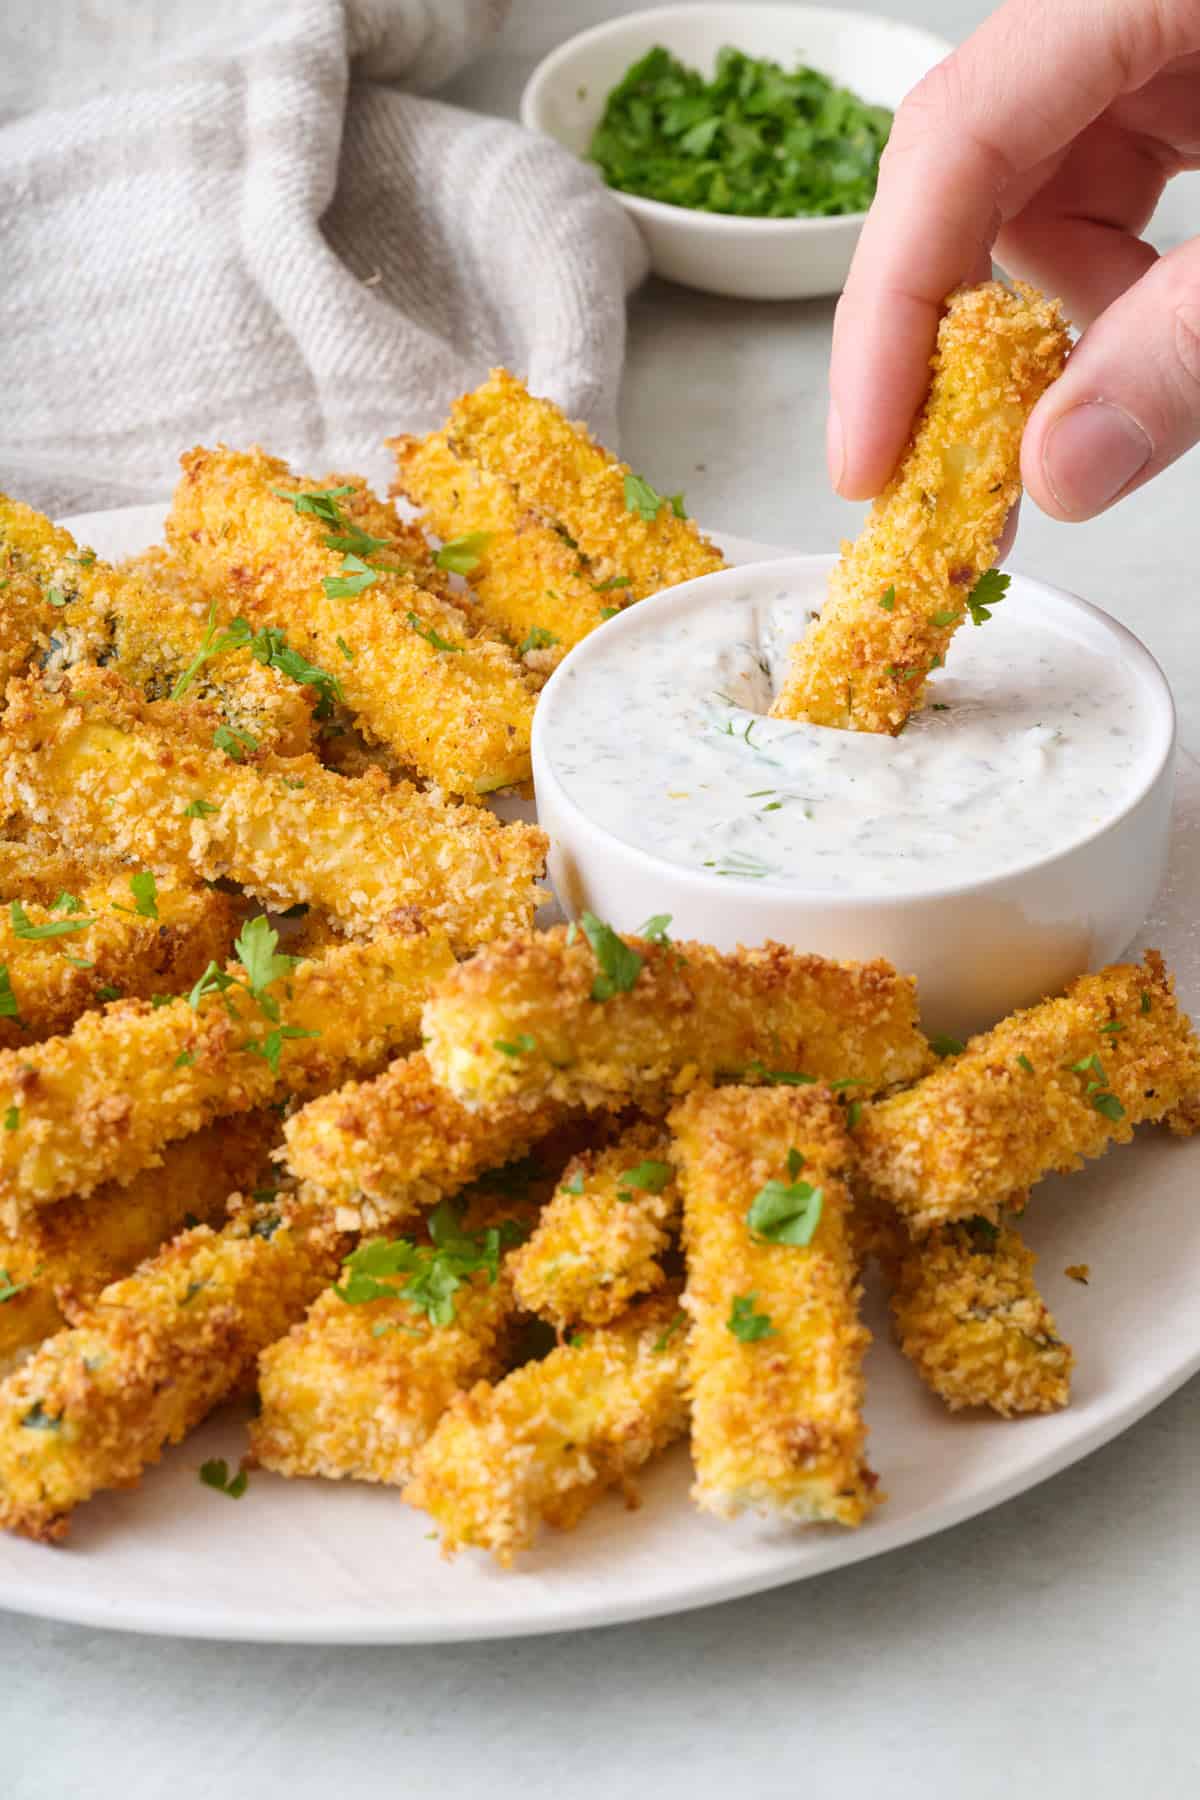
(309, 1562)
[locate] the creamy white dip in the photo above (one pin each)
(1030, 740)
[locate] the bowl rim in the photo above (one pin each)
(532, 117)
(1149, 673)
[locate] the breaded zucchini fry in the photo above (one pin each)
(107, 770)
(383, 1149)
(34, 867)
(589, 1018)
(776, 1346)
(97, 1404)
(969, 1318)
(599, 1242)
(92, 944)
(450, 704)
(1046, 1088)
(900, 590)
(63, 1255)
(99, 1104)
(528, 579)
(543, 1446)
(49, 617)
(358, 1385)
(559, 474)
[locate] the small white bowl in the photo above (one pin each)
(753, 259)
(978, 949)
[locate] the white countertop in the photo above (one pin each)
(1052, 1642)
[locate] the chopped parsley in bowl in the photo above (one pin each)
(755, 140)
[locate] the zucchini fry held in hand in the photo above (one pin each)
(556, 533)
(587, 1017)
(128, 936)
(63, 1255)
(450, 704)
(599, 1242)
(359, 1384)
(917, 568)
(1043, 1090)
(96, 1404)
(552, 1437)
(776, 1346)
(170, 782)
(970, 1319)
(100, 1103)
(383, 1149)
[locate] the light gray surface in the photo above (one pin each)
(1052, 1643)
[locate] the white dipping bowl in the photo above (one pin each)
(978, 949)
(752, 259)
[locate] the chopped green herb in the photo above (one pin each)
(1112, 1028)
(537, 638)
(575, 1185)
(946, 1046)
(270, 1048)
(271, 648)
(1145, 1000)
(988, 591)
(655, 929)
(8, 1000)
(619, 965)
(234, 636)
(435, 1272)
(144, 889)
(779, 1077)
(648, 1177)
(215, 1472)
(676, 1325)
(432, 636)
(611, 585)
(12, 1119)
(460, 555)
(345, 649)
(108, 992)
(67, 903)
(233, 742)
(199, 808)
(888, 599)
(355, 541)
(786, 1212)
(520, 1045)
(1109, 1105)
(185, 1059)
(85, 559)
(1025, 1063)
(56, 597)
(941, 619)
(356, 577)
(747, 1325)
(755, 139)
(853, 1114)
(23, 926)
(257, 949)
(609, 612)
(320, 502)
(9, 1289)
(642, 499)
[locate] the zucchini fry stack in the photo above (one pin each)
(555, 533)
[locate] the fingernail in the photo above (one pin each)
(1091, 453)
(835, 445)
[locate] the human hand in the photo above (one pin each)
(1049, 137)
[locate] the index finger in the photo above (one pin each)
(1013, 96)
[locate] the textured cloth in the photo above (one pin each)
(236, 219)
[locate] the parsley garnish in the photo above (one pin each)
(56, 597)
(431, 636)
(650, 1177)
(747, 1325)
(888, 599)
(787, 1212)
(1025, 1063)
(234, 636)
(853, 1114)
(271, 648)
(619, 965)
(199, 808)
(12, 1119)
(8, 1000)
(1095, 1092)
(988, 591)
(435, 1271)
(779, 1077)
(271, 1046)
(354, 540)
(185, 1059)
(655, 929)
(356, 577)
(537, 638)
(9, 1289)
(520, 1045)
(1145, 1000)
(642, 499)
(23, 927)
(459, 555)
(946, 1046)
(345, 649)
(320, 502)
(661, 1343)
(941, 619)
(144, 889)
(108, 992)
(257, 949)
(215, 1473)
(233, 742)
(609, 586)
(1112, 1028)
(67, 903)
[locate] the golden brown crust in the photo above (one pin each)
(1019, 1102)
(936, 526)
(777, 1420)
(693, 1013)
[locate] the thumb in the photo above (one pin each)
(1128, 402)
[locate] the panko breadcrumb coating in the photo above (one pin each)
(99, 1104)
(1044, 1089)
(524, 1020)
(97, 946)
(98, 1403)
(552, 1437)
(899, 592)
(776, 1346)
(560, 475)
(383, 1149)
(106, 769)
(63, 1255)
(51, 614)
(448, 702)
(355, 1389)
(970, 1319)
(600, 1241)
